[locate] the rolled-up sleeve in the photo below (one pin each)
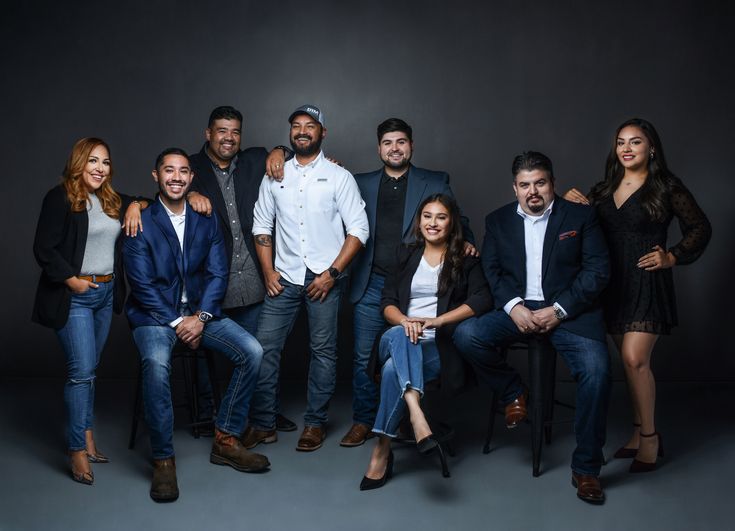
(265, 209)
(352, 208)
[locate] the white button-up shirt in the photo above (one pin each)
(534, 228)
(311, 209)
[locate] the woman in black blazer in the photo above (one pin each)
(434, 287)
(73, 300)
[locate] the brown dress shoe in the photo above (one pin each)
(517, 411)
(228, 450)
(164, 487)
(311, 439)
(358, 434)
(252, 438)
(588, 488)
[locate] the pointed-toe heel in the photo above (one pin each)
(370, 484)
(637, 466)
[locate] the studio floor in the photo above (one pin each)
(303, 491)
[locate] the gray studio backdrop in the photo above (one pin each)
(479, 82)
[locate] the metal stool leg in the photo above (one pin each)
(490, 422)
(539, 359)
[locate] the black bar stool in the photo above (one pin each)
(541, 396)
(190, 365)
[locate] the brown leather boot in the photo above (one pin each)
(164, 487)
(228, 450)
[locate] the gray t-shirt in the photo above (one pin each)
(99, 250)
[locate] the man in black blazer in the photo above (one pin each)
(392, 195)
(546, 261)
(228, 181)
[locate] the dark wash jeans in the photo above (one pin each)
(478, 340)
(368, 322)
(276, 321)
(155, 344)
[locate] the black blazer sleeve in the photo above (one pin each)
(479, 297)
(52, 229)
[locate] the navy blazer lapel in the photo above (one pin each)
(552, 233)
(517, 234)
(371, 201)
(190, 228)
(414, 193)
(160, 217)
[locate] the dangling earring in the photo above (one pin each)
(650, 154)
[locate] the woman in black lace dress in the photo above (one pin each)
(636, 203)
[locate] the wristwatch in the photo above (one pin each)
(205, 317)
(333, 272)
(559, 313)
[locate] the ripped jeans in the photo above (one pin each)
(83, 338)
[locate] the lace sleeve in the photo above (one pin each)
(695, 227)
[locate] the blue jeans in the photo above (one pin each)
(405, 366)
(247, 318)
(368, 323)
(83, 338)
(223, 335)
(478, 339)
(276, 321)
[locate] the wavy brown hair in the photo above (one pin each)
(76, 191)
(656, 189)
(454, 253)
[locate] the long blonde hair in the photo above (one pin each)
(76, 192)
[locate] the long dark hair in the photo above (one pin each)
(660, 180)
(451, 271)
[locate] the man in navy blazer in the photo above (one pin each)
(392, 195)
(546, 261)
(177, 273)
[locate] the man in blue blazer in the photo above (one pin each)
(177, 273)
(392, 195)
(546, 261)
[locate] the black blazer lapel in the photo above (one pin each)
(208, 181)
(371, 201)
(414, 193)
(551, 236)
(160, 217)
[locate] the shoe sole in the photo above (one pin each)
(267, 440)
(219, 460)
(354, 444)
(164, 499)
(593, 501)
(309, 448)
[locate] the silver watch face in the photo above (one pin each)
(204, 316)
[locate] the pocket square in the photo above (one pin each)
(568, 234)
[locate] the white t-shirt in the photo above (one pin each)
(423, 300)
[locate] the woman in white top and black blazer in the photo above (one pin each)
(434, 287)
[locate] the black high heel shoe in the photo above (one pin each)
(642, 466)
(427, 445)
(370, 484)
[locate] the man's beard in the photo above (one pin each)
(537, 207)
(397, 165)
(309, 149)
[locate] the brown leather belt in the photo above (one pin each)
(97, 278)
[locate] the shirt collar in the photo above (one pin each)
(310, 165)
(544, 216)
(387, 178)
(171, 214)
